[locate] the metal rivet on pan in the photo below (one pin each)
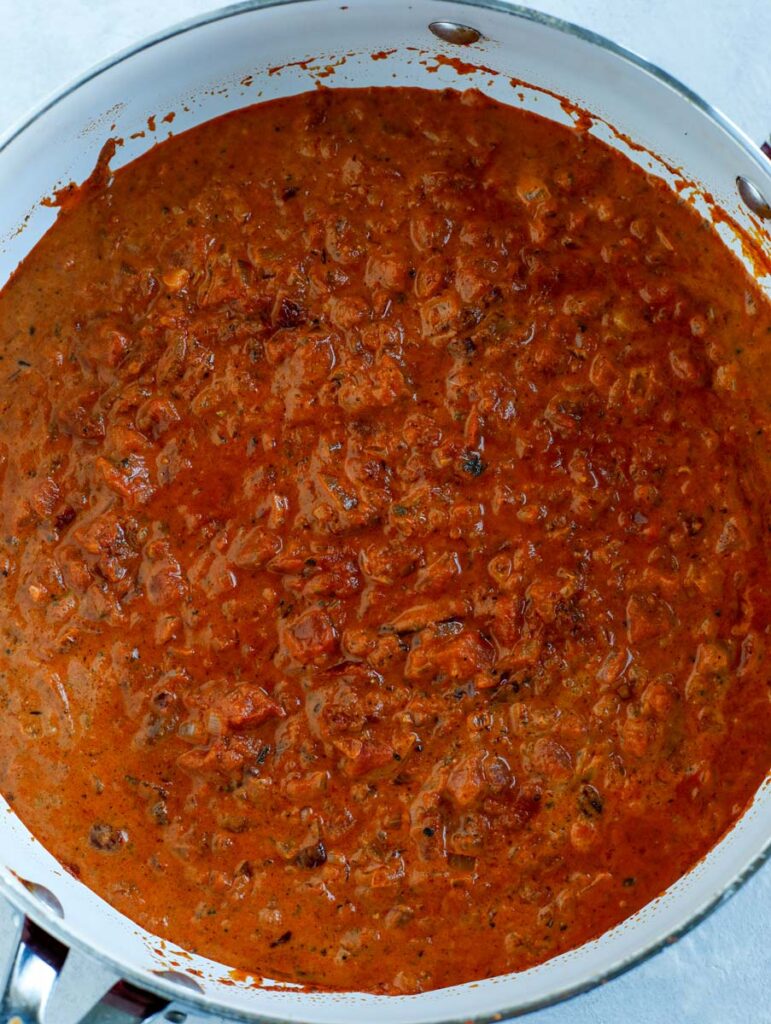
(46, 897)
(753, 198)
(452, 32)
(180, 978)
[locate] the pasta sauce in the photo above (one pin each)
(383, 539)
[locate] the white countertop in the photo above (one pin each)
(721, 972)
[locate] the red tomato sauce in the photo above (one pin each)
(383, 539)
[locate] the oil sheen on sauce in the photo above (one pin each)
(383, 539)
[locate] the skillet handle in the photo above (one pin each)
(43, 982)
